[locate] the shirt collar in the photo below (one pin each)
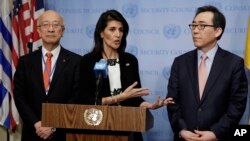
(210, 54)
(55, 51)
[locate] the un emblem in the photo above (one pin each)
(132, 49)
(90, 31)
(93, 116)
(130, 10)
(172, 31)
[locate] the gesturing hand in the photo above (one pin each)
(132, 92)
(158, 103)
(168, 101)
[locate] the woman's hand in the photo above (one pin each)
(168, 101)
(159, 103)
(132, 92)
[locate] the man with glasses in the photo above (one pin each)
(47, 75)
(208, 84)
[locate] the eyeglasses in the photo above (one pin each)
(200, 26)
(54, 25)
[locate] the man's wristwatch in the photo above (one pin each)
(53, 129)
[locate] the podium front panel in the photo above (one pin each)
(114, 118)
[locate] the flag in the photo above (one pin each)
(8, 113)
(247, 66)
(18, 37)
(37, 8)
(24, 23)
(247, 49)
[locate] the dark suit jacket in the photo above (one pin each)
(29, 90)
(224, 99)
(129, 74)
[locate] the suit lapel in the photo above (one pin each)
(37, 63)
(61, 62)
(193, 72)
(121, 62)
(216, 70)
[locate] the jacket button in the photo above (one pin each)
(199, 110)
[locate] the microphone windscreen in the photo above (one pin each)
(101, 67)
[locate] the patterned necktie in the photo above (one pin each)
(47, 70)
(202, 74)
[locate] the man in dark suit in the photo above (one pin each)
(210, 94)
(38, 80)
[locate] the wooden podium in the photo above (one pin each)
(91, 121)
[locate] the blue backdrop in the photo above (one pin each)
(158, 33)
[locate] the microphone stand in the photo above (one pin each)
(98, 87)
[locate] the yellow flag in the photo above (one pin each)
(247, 63)
(247, 50)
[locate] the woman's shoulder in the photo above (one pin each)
(128, 56)
(91, 56)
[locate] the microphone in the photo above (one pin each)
(100, 70)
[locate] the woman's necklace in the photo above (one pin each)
(112, 60)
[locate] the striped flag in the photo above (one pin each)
(24, 23)
(8, 112)
(18, 37)
(247, 65)
(37, 8)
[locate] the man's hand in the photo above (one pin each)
(43, 132)
(206, 135)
